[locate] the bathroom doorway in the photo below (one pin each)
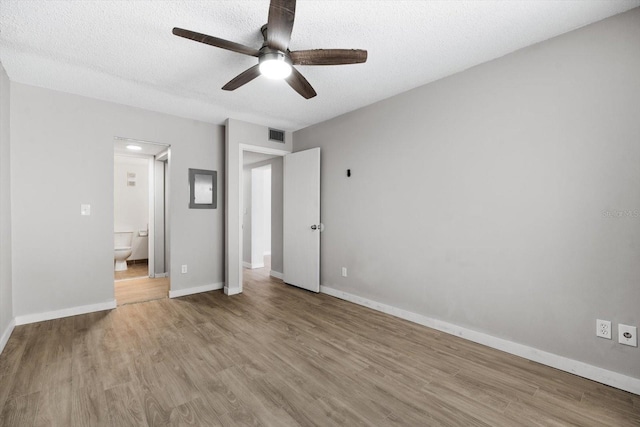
(140, 226)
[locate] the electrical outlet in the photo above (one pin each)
(344, 271)
(603, 329)
(184, 268)
(628, 335)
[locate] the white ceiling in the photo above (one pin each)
(249, 157)
(146, 148)
(123, 51)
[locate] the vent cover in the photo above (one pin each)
(276, 135)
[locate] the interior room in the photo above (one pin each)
(422, 214)
(140, 189)
(262, 213)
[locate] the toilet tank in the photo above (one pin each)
(122, 239)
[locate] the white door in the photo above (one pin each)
(301, 217)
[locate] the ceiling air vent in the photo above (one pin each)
(276, 135)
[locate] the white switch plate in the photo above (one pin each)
(85, 210)
(184, 268)
(628, 335)
(603, 328)
(344, 271)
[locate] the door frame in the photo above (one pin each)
(254, 149)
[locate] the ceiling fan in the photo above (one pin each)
(275, 60)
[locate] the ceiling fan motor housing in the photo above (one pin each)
(274, 63)
(268, 54)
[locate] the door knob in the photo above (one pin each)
(314, 227)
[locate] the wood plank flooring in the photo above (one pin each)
(141, 290)
(134, 271)
(279, 356)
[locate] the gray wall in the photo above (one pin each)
(276, 212)
(62, 156)
(6, 305)
(481, 199)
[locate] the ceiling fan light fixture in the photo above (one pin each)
(275, 59)
(275, 65)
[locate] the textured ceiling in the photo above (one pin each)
(123, 51)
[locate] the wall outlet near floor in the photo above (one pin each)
(344, 271)
(184, 268)
(628, 335)
(603, 329)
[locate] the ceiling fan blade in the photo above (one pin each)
(328, 56)
(300, 84)
(280, 24)
(242, 78)
(215, 41)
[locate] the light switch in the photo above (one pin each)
(85, 210)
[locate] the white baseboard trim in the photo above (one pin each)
(232, 291)
(6, 334)
(196, 290)
(604, 376)
(276, 274)
(66, 312)
(252, 266)
(161, 275)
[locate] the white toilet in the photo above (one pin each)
(122, 243)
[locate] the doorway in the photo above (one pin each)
(140, 226)
(257, 217)
(262, 214)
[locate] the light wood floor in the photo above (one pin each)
(279, 356)
(141, 290)
(133, 271)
